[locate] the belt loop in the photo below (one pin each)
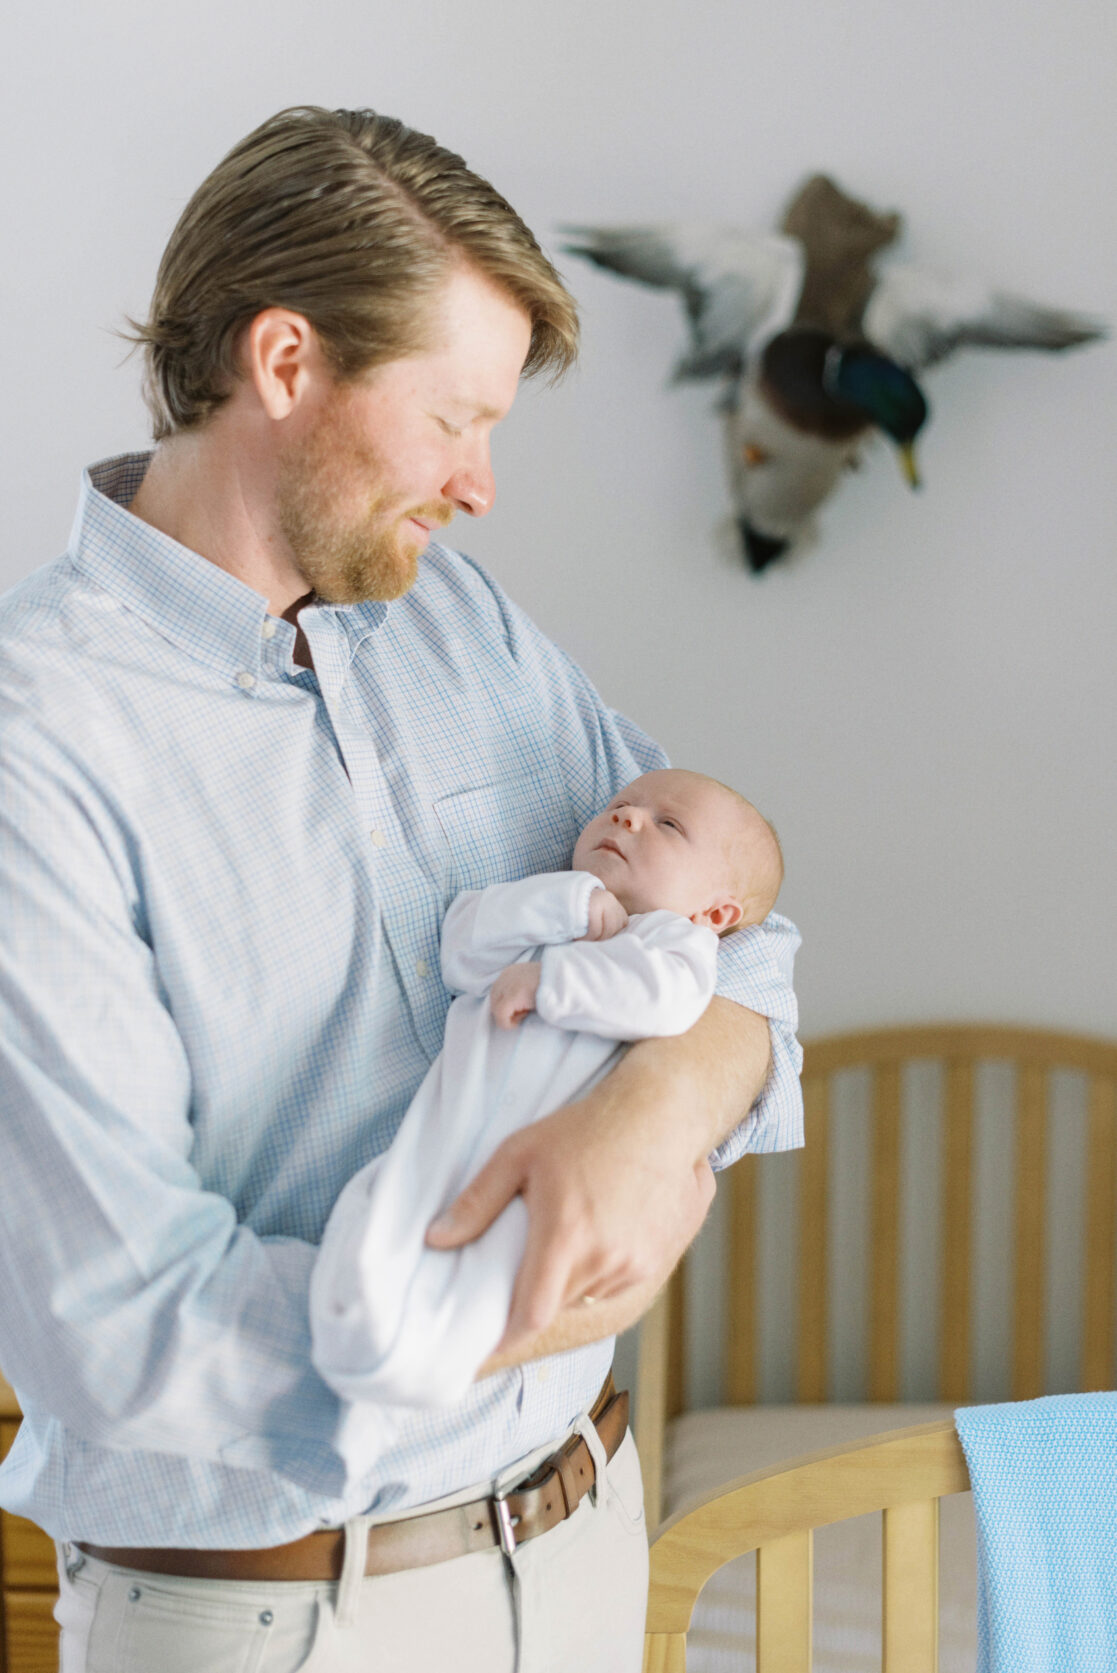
(73, 1559)
(352, 1570)
(502, 1516)
(585, 1427)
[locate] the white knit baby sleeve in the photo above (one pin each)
(654, 978)
(486, 930)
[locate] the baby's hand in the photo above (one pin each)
(607, 916)
(512, 995)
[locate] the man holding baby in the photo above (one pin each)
(258, 731)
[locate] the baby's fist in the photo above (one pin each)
(512, 995)
(607, 916)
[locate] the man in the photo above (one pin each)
(257, 731)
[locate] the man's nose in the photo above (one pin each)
(472, 487)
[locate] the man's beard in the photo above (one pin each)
(375, 556)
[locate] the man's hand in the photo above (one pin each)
(607, 917)
(512, 995)
(617, 1184)
(603, 1218)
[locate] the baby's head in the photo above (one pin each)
(681, 842)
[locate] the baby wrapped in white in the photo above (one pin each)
(394, 1322)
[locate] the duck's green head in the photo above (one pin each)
(884, 391)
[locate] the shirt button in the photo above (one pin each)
(422, 968)
(378, 839)
(245, 680)
(269, 627)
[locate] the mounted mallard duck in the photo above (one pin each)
(816, 349)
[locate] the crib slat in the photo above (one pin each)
(676, 1342)
(784, 1571)
(814, 1194)
(957, 1232)
(911, 1588)
(740, 1341)
(884, 1319)
(1030, 1217)
(1101, 1237)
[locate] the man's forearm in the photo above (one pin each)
(709, 1077)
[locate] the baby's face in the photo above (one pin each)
(664, 843)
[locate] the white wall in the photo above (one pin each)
(925, 703)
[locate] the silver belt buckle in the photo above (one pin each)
(505, 1525)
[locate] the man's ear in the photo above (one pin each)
(281, 353)
(723, 915)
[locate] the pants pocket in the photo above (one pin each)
(74, 1609)
(149, 1624)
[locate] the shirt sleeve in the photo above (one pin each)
(755, 970)
(143, 1315)
(485, 930)
(652, 980)
(600, 751)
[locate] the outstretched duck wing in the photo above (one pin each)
(738, 288)
(918, 318)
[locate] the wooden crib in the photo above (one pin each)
(902, 1474)
(1038, 1110)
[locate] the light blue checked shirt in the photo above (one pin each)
(221, 884)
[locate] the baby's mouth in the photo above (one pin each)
(610, 848)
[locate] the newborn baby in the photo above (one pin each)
(554, 972)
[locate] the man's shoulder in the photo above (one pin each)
(34, 606)
(48, 632)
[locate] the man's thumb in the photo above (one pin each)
(475, 1209)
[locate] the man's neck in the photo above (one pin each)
(213, 496)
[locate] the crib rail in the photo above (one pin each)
(774, 1512)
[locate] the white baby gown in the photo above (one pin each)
(394, 1322)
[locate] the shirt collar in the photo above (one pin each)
(186, 598)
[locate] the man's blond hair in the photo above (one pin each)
(351, 219)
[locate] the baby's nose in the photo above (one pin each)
(625, 816)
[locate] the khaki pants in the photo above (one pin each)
(575, 1604)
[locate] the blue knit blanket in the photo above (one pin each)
(1044, 1476)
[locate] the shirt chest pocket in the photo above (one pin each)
(496, 833)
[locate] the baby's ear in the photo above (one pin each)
(724, 915)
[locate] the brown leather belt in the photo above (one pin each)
(549, 1495)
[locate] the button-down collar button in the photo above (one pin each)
(269, 627)
(246, 680)
(422, 968)
(379, 840)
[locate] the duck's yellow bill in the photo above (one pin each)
(909, 466)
